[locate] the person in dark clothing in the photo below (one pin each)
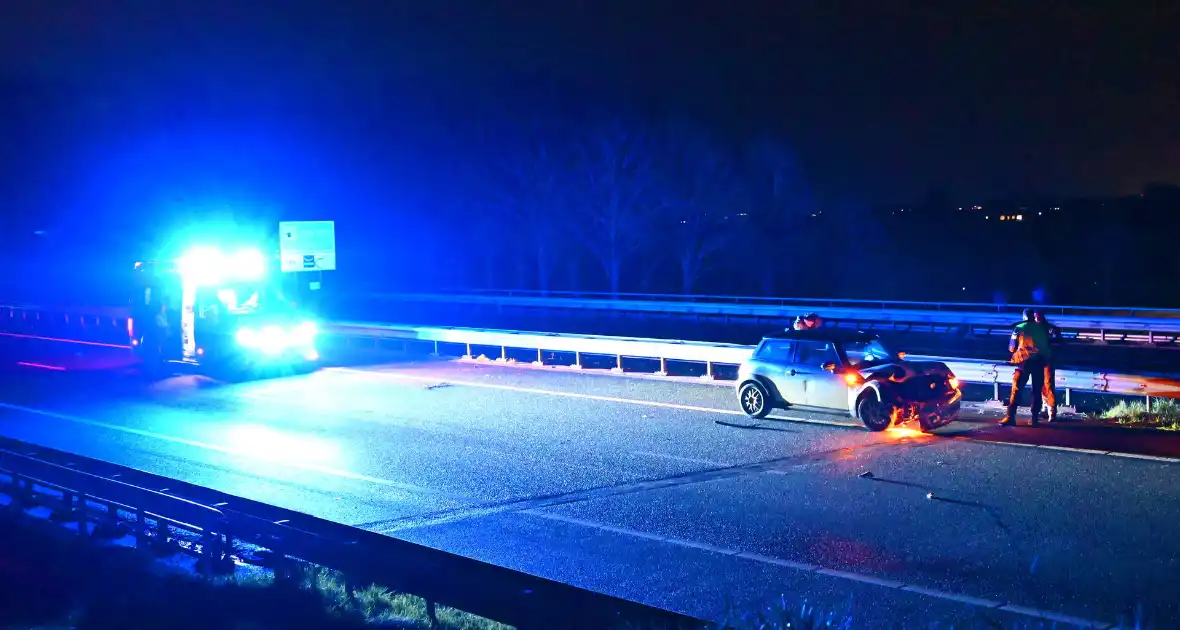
(1030, 350)
(810, 321)
(1049, 395)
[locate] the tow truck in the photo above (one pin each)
(223, 311)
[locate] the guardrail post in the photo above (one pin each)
(504, 354)
(618, 368)
(83, 522)
(140, 526)
(996, 390)
(108, 527)
(432, 614)
(468, 355)
(21, 493)
(1148, 404)
(435, 353)
(663, 367)
(1068, 394)
(540, 357)
(708, 376)
(577, 361)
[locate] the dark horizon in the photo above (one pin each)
(880, 104)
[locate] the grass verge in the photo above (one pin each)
(54, 579)
(1164, 414)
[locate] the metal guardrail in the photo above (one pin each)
(110, 501)
(110, 328)
(1157, 328)
(974, 307)
(1154, 327)
(713, 354)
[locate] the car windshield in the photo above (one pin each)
(864, 352)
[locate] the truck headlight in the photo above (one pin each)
(274, 339)
(247, 337)
(304, 334)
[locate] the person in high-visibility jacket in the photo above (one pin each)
(1032, 355)
(1050, 391)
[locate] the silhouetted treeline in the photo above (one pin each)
(437, 197)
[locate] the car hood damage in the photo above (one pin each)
(902, 371)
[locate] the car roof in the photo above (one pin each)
(823, 334)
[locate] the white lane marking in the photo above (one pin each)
(1153, 458)
(535, 390)
(680, 458)
(976, 406)
(1072, 449)
(211, 447)
(1081, 451)
(596, 397)
(62, 340)
(835, 573)
(1004, 443)
(730, 412)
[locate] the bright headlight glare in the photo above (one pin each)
(272, 340)
(304, 333)
(247, 337)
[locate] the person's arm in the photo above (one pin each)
(1014, 340)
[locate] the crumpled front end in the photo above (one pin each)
(924, 391)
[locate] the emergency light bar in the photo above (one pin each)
(207, 266)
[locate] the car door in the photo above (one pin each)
(821, 388)
(776, 362)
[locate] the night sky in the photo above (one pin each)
(883, 101)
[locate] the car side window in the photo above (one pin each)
(817, 352)
(775, 351)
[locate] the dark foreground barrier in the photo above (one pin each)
(220, 530)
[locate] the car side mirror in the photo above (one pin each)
(828, 367)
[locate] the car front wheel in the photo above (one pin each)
(754, 400)
(875, 415)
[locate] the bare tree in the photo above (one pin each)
(781, 208)
(612, 180)
(513, 175)
(529, 194)
(699, 198)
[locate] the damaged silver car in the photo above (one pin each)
(847, 372)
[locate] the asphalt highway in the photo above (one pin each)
(651, 490)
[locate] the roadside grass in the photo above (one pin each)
(377, 605)
(1164, 414)
(55, 580)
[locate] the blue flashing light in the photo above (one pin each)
(207, 266)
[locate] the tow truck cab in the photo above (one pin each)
(212, 308)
